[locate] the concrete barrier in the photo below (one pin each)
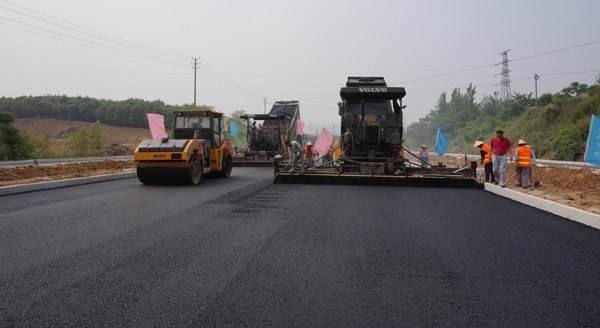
(565, 211)
(57, 184)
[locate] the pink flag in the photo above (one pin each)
(323, 142)
(299, 127)
(156, 123)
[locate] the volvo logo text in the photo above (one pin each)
(372, 90)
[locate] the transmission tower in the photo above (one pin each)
(505, 92)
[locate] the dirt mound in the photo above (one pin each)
(577, 187)
(29, 174)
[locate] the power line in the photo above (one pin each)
(550, 52)
(64, 24)
(115, 44)
(62, 36)
(47, 34)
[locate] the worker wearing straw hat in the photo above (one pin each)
(486, 160)
(525, 159)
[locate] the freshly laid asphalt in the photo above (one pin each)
(243, 252)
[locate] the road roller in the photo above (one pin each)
(198, 149)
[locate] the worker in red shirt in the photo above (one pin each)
(500, 151)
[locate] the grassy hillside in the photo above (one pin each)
(62, 129)
(114, 140)
(557, 127)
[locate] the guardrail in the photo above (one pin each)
(546, 162)
(54, 161)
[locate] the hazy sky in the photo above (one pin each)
(289, 49)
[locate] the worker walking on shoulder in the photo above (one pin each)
(486, 160)
(525, 159)
(500, 151)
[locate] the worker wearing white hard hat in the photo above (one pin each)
(309, 154)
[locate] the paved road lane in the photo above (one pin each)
(248, 253)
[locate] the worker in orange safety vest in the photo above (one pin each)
(525, 159)
(309, 154)
(486, 160)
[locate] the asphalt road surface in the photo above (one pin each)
(243, 252)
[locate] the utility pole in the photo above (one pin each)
(536, 77)
(265, 105)
(195, 62)
(505, 92)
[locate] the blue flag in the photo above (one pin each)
(234, 128)
(592, 150)
(441, 142)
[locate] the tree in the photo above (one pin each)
(85, 141)
(13, 145)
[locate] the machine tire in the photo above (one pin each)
(196, 171)
(227, 166)
(145, 176)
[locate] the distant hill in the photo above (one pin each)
(556, 127)
(130, 112)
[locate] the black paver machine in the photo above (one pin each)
(267, 133)
(372, 151)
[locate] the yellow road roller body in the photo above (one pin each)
(198, 148)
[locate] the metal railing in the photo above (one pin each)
(55, 161)
(545, 162)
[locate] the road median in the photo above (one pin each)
(64, 183)
(565, 211)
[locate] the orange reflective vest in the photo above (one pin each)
(524, 156)
(308, 152)
(487, 158)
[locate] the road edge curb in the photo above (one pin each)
(571, 213)
(65, 183)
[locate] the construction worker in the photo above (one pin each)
(486, 160)
(525, 159)
(424, 155)
(348, 141)
(294, 151)
(253, 136)
(337, 150)
(500, 151)
(309, 154)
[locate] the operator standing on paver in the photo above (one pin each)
(424, 156)
(500, 149)
(309, 154)
(295, 152)
(525, 158)
(486, 160)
